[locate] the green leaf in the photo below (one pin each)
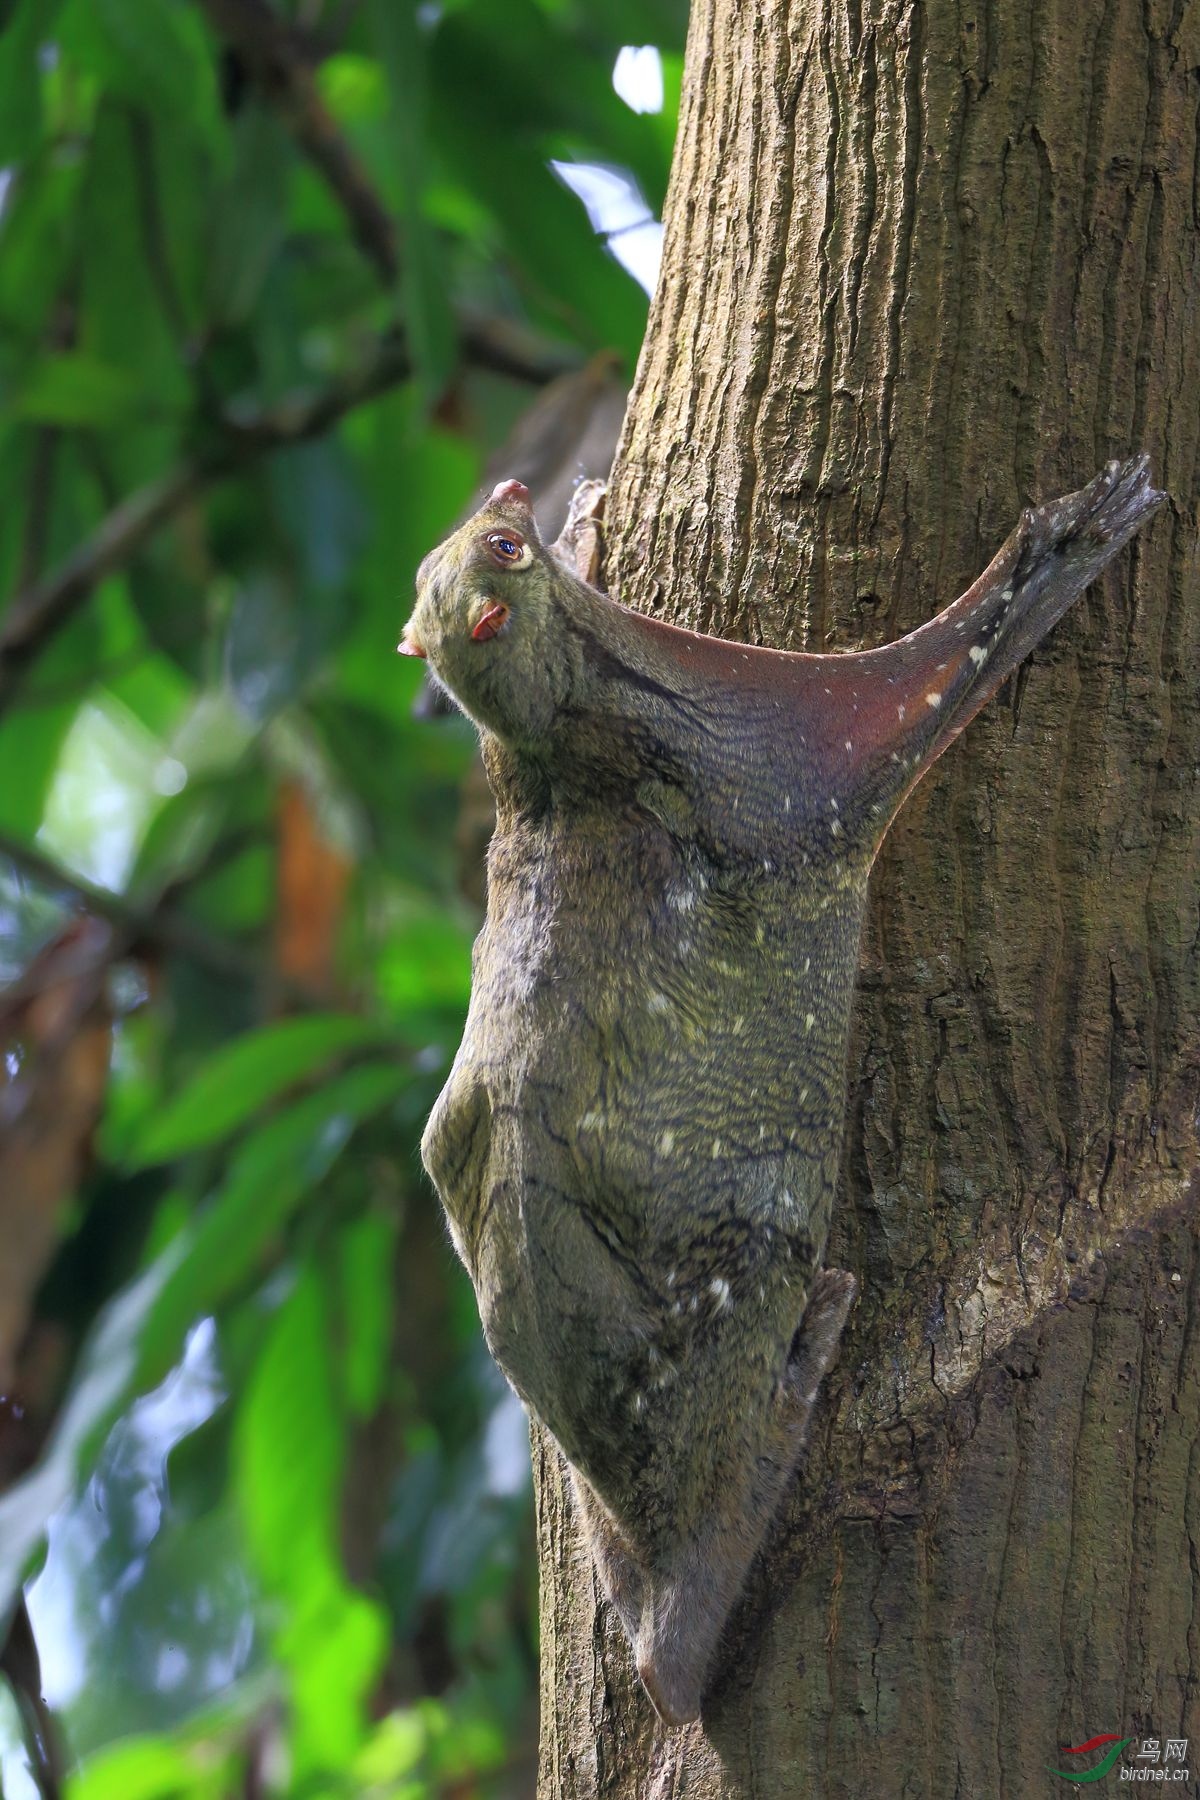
(144, 1768)
(155, 52)
(244, 1076)
(76, 389)
(270, 1175)
(28, 27)
(395, 1748)
(249, 221)
(366, 1281)
(36, 245)
(423, 278)
(289, 1446)
(129, 298)
(139, 1333)
(32, 742)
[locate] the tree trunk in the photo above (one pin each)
(923, 266)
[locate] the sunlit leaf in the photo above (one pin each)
(395, 1747)
(146, 1768)
(107, 1369)
(366, 1280)
(289, 1445)
(76, 389)
(269, 1176)
(240, 1079)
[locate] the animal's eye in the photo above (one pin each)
(506, 547)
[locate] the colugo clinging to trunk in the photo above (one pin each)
(638, 1142)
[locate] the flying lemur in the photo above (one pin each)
(638, 1142)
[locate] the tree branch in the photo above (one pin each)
(37, 613)
(279, 59)
(276, 58)
(158, 924)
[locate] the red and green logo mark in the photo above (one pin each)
(1099, 1770)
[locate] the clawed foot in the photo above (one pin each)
(1108, 510)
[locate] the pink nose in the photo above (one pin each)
(512, 492)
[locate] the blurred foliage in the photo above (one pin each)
(276, 282)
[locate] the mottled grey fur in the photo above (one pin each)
(638, 1143)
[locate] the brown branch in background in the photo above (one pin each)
(20, 1664)
(160, 926)
(50, 1100)
(37, 512)
(277, 59)
(36, 614)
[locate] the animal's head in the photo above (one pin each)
(487, 622)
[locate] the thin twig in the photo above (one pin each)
(275, 56)
(158, 924)
(36, 614)
(279, 58)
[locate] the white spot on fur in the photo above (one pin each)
(787, 803)
(716, 1149)
(835, 829)
(639, 1405)
(933, 699)
(810, 1021)
(900, 712)
(666, 1143)
(849, 744)
(658, 1003)
(978, 655)
(719, 1289)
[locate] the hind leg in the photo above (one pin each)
(620, 1576)
(688, 1601)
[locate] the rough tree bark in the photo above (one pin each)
(924, 264)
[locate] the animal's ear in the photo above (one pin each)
(901, 706)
